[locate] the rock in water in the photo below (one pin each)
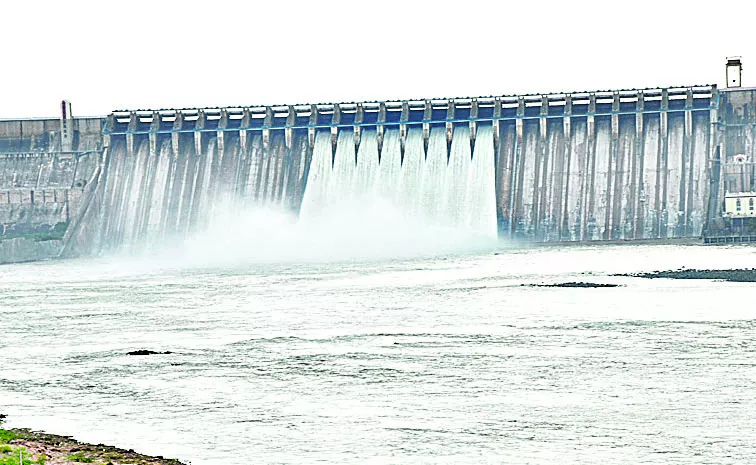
(147, 352)
(575, 284)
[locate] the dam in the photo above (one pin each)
(569, 167)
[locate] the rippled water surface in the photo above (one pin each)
(426, 360)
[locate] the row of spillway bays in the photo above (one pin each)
(414, 112)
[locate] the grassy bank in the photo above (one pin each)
(50, 449)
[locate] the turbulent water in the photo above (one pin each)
(425, 359)
(438, 187)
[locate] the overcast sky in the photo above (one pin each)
(155, 54)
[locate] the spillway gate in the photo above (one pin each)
(627, 164)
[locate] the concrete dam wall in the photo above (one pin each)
(43, 179)
(592, 166)
(606, 166)
(564, 167)
(172, 179)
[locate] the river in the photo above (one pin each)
(436, 358)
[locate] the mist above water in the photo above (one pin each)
(359, 229)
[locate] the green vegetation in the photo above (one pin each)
(62, 449)
(79, 457)
(55, 234)
(10, 455)
(7, 436)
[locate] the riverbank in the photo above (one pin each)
(51, 449)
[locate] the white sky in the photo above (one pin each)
(105, 55)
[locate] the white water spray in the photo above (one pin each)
(438, 189)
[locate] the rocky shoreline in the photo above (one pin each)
(51, 449)
(739, 276)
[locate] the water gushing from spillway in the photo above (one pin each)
(162, 189)
(440, 188)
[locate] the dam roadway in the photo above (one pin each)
(587, 166)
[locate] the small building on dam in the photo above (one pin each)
(640, 164)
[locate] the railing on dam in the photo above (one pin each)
(412, 112)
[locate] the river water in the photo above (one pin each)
(425, 359)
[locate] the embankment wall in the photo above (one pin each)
(42, 182)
